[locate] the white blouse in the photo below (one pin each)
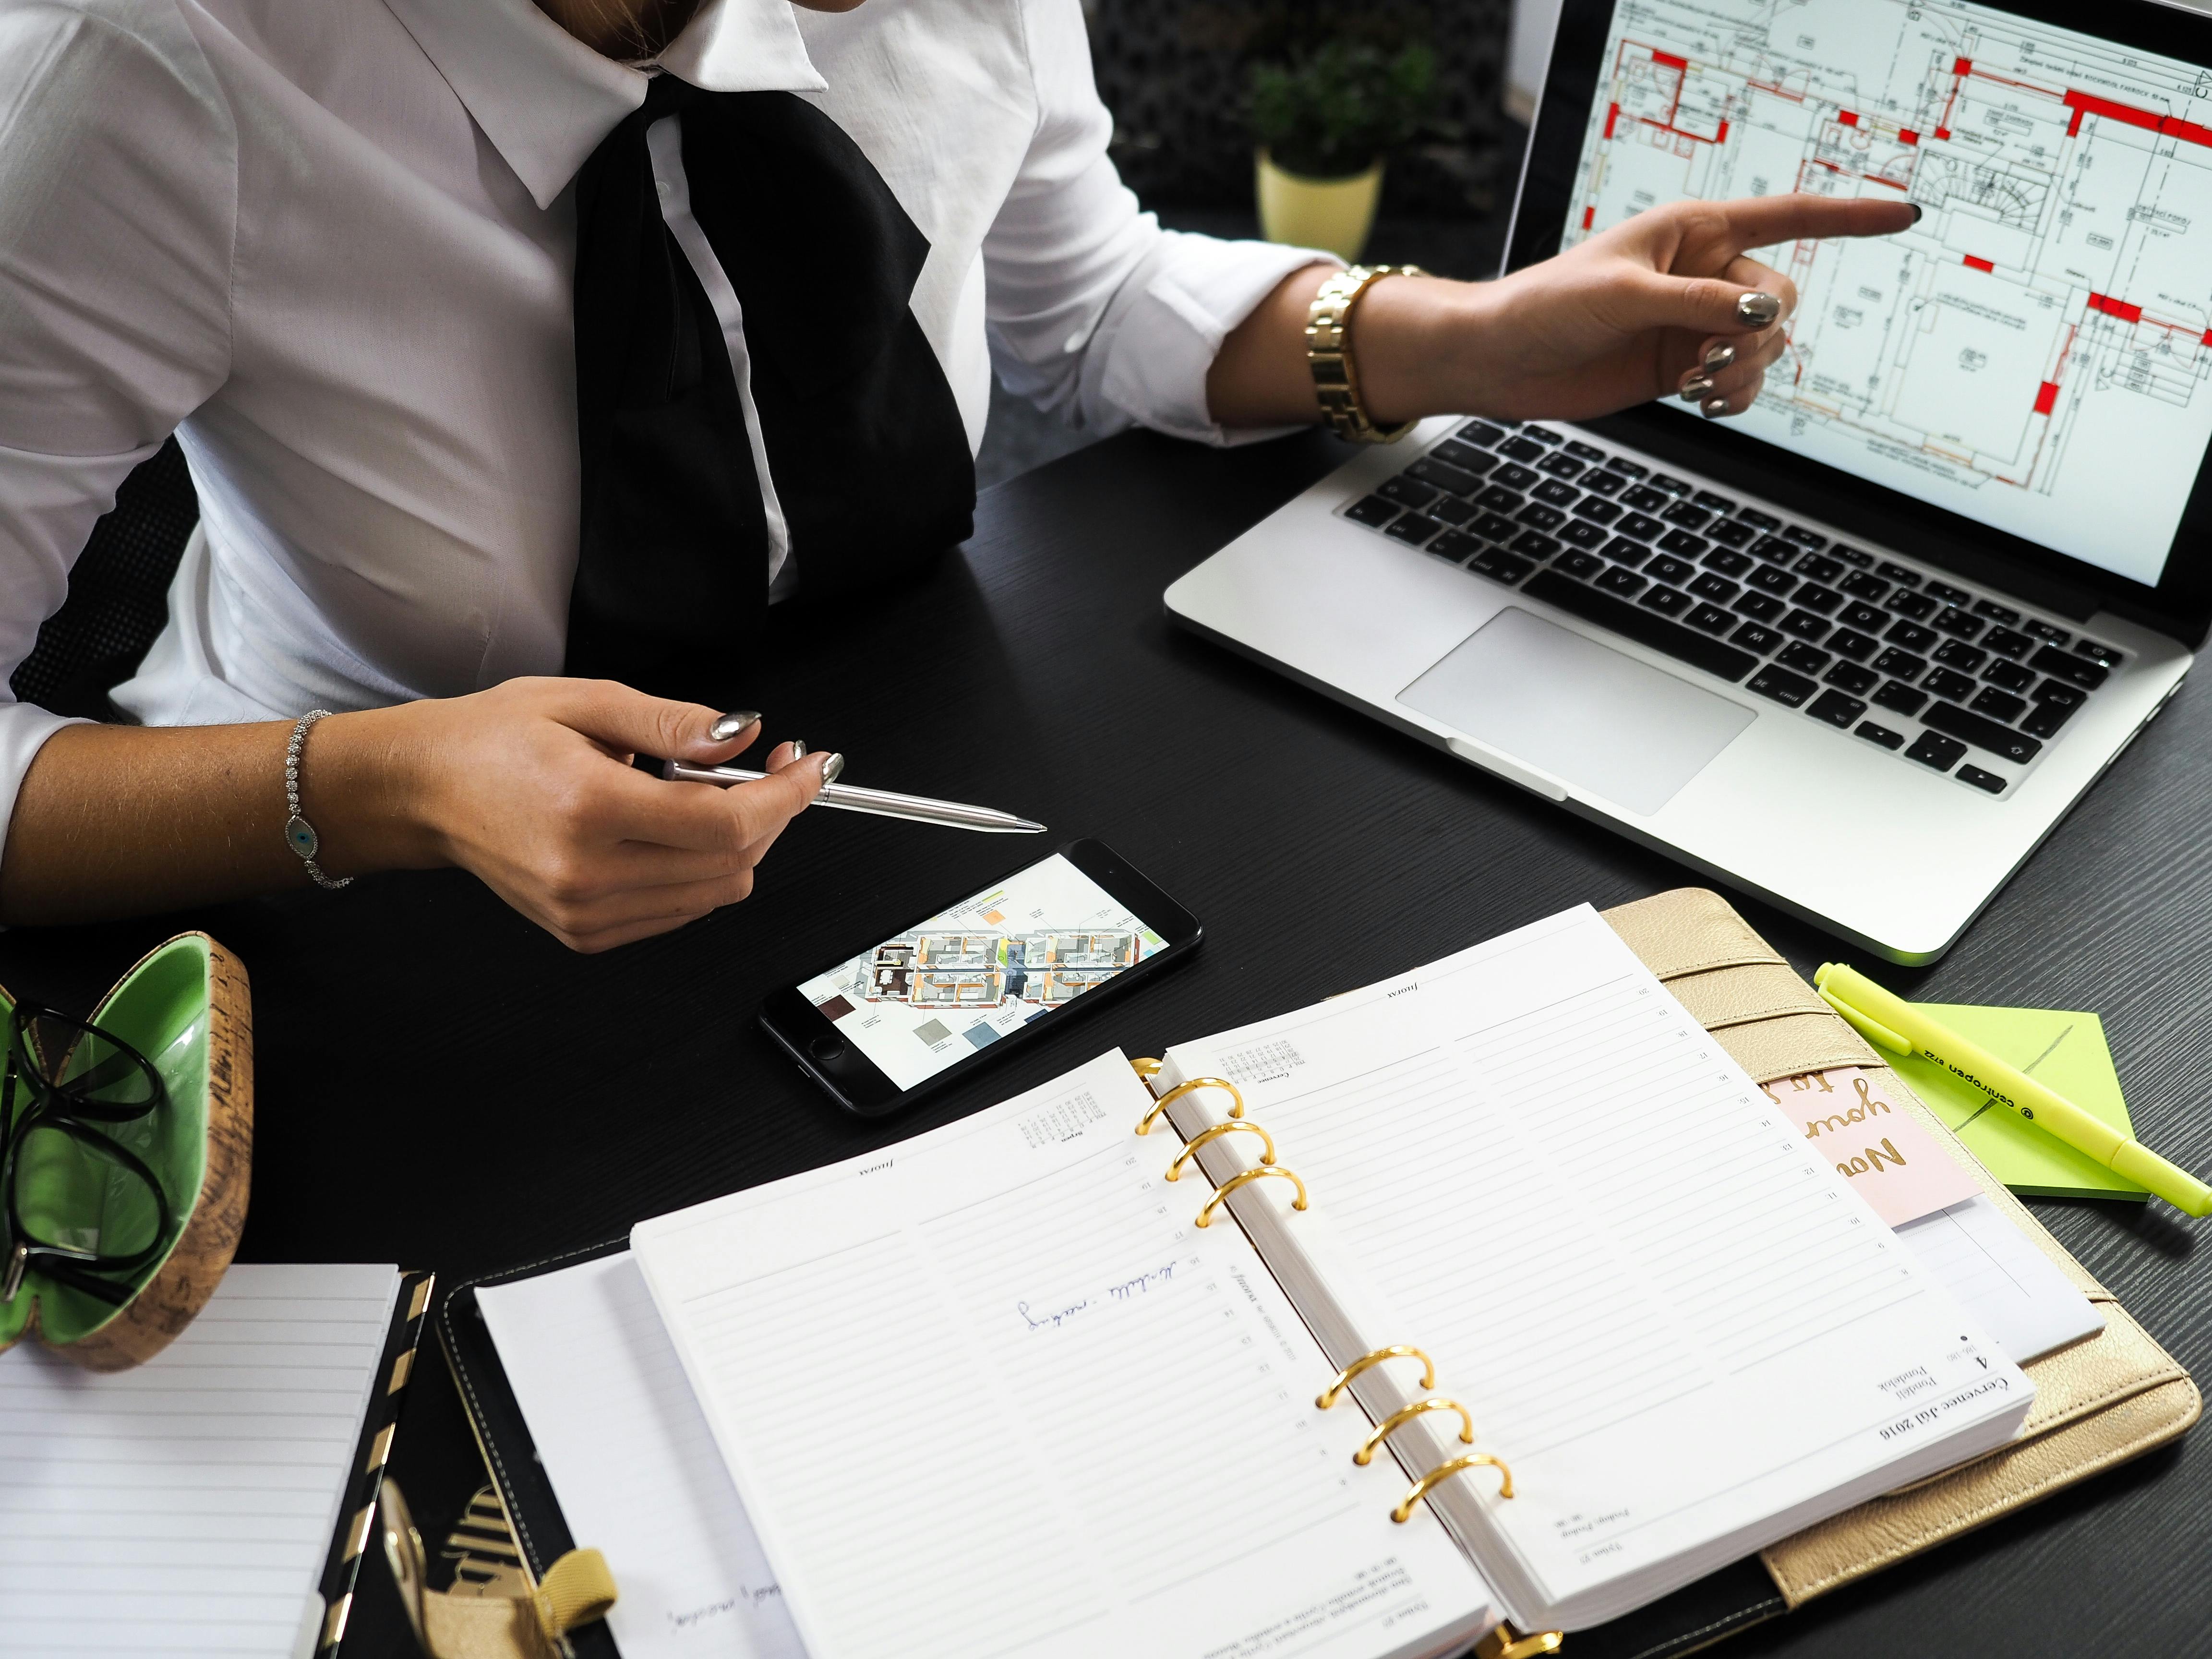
(330, 243)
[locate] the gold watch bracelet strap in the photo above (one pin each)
(1330, 356)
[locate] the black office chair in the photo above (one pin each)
(118, 593)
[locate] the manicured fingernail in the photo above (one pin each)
(732, 723)
(1697, 390)
(1719, 357)
(1919, 213)
(1713, 408)
(798, 749)
(831, 768)
(1759, 309)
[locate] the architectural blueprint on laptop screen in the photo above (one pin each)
(2036, 353)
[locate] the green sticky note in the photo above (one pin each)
(2064, 1051)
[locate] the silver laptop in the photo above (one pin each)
(1857, 651)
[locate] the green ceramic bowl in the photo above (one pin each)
(186, 1008)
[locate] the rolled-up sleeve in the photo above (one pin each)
(117, 211)
(1095, 312)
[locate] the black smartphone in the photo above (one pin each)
(931, 1002)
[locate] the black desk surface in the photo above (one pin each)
(442, 1086)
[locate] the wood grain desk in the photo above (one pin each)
(442, 1086)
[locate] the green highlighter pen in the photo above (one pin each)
(1889, 1021)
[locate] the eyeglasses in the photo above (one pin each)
(77, 1205)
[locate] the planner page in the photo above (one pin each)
(992, 1392)
(187, 1505)
(632, 1462)
(1677, 1324)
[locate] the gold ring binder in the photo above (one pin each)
(1435, 1402)
(1245, 1178)
(1147, 1069)
(1182, 1088)
(1175, 1169)
(1420, 1489)
(1504, 1642)
(1396, 1351)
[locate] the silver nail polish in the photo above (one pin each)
(1759, 309)
(1713, 408)
(731, 723)
(1719, 357)
(1697, 390)
(798, 749)
(831, 768)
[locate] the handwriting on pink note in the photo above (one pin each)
(1895, 1164)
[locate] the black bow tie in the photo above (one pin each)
(865, 447)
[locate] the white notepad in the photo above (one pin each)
(187, 1506)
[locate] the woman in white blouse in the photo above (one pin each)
(329, 245)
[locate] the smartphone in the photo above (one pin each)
(933, 1002)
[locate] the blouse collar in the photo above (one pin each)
(545, 100)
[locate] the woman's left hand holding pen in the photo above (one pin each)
(527, 784)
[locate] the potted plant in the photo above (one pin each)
(1325, 123)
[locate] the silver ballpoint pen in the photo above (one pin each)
(955, 815)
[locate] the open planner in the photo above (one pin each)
(1591, 1317)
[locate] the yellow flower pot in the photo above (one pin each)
(1336, 213)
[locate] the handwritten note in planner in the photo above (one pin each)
(188, 1506)
(991, 1392)
(632, 1461)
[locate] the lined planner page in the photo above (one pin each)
(991, 1392)
(1674, 1320)
(633, 1466)
(187, 1506)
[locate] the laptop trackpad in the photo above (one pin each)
(1592, 717)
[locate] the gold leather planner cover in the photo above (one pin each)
(2099, 1402)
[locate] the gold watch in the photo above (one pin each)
(1329, 353)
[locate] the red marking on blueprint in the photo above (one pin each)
(2208, 337)
(1849, 117)
(1720, 137)
(2088, 103)
(2119, 308)
(1876, 179)
(1980, 264)
(1962, 66)
(2047, 398)
(2074, 126)
(1612, 119)
(1667, 59)
(1943, 134)
(1907, 136)
(1589, 218)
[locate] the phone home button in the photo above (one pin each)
(827, 1048)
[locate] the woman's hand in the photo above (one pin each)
(1653, 308)
(529, 785)
(1665, 304)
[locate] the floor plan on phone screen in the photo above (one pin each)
(2045, 330)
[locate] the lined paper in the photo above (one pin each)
(1999, 1276)
(1671, 1315)
(633, 1464)
(991, 1393)
(187, 1506)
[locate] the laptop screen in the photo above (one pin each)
(2036, 354)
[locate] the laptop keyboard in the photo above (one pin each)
(1904, 658)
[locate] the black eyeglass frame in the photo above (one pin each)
(70, 1106)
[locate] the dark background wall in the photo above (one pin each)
(1174, 71)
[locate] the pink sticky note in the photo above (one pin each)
(1895, 1164)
